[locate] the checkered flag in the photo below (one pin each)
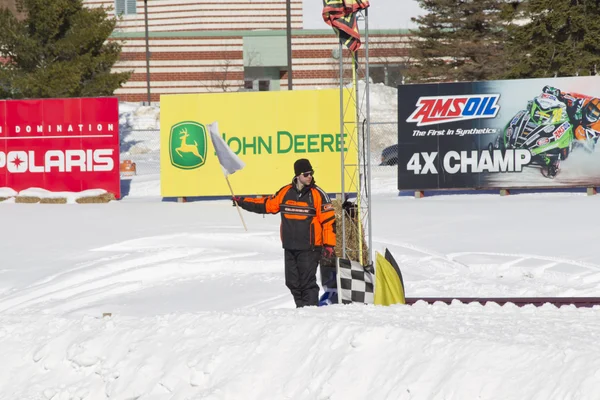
(354, 282)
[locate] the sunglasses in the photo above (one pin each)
(307, 174)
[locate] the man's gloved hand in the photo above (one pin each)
(328, 252)
(236, 200)
(328, 257)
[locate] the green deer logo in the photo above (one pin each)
(188, 145)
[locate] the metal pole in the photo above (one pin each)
(289, 42)
(342, 131)
(368, 177)
(147, 52)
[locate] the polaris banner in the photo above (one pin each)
(60, 144)
(499, 134)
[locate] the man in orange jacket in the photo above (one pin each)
(307, 230)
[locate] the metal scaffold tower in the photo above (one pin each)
(355, 128)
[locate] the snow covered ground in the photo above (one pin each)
(199, 310)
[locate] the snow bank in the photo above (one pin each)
(200, 309)
(139, 128)
(134, 116)
(71, 197)
(7, 192)
(416, 352)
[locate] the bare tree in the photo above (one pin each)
(223, 74)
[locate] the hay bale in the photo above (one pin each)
(351, 221)
(56, 200)
(4, 198)
(27, 199)
(103, 198)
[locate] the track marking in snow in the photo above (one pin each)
(186, 240)
(79, 267)
(103, 275)
(270, 303)
(451, 257)
(524, 257)
(566, 274)
(431, 254)
(139, 264)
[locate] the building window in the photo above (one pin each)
(388, 74)
(264, 86)
(125, 7)
(249, 85)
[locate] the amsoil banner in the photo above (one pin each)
(267, 130)
(499, 134)
(60, 144)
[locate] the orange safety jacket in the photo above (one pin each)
(307, 216)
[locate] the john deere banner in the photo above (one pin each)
(499, 134)
(267, 130)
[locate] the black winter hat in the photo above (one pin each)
(302, 165)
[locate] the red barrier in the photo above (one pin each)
(60, 144)
(518, 301)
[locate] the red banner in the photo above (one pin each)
(60, 144)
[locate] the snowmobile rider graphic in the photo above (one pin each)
(584, 113)
(307, 230)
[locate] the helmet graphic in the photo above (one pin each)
(591, 112)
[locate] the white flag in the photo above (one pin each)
(227, 158)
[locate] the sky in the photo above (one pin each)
(153, 300)
(383, 14)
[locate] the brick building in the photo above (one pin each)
(201, 46)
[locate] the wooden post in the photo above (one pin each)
(236, 204)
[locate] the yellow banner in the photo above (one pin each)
(267, 130)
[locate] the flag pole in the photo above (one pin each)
(236, 204)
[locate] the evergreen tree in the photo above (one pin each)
(58, 49)
(555, 38)
(459, 40)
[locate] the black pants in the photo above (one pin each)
(301, 275)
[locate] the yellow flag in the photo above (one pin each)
(389, 288)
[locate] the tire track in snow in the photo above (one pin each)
(137, 264)
(430, 253)
(79, 267)
(592, 276)
(523, 257)
(589, 278)
(451, 257)
(89, 280)
(113, 276)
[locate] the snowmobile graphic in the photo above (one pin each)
(543, 128)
